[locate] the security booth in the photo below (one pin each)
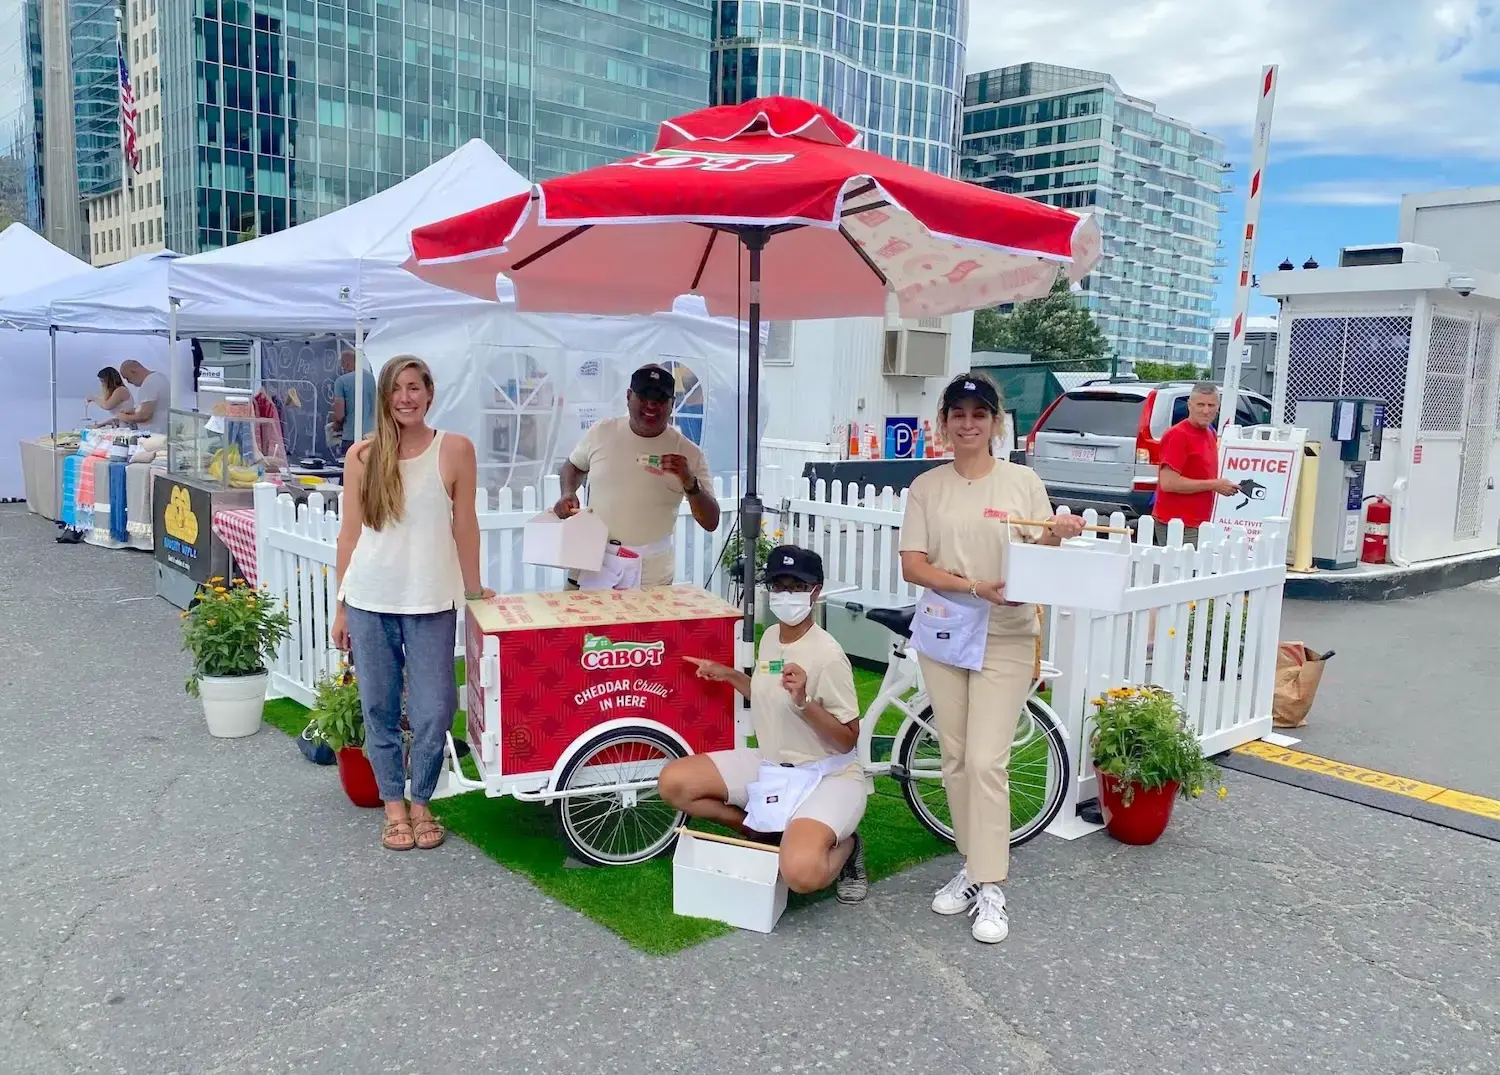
(1419, 336)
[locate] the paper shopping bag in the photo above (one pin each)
(1299, 670)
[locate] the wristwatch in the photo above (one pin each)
(696, 489)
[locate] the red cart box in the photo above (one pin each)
(545, 669)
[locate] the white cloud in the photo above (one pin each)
(1379, 77)
(1353, 192)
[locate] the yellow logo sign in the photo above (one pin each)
(179, 519)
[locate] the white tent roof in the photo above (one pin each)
(343, 267)
(133, 295)
(27, 261)
(132, 300)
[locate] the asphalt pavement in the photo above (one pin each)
(176, 904)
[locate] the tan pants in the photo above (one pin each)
(976, 714)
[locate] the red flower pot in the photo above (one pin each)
(1145, 819)
(358, 778)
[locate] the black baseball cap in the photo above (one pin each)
(969, 386)
(794, 562)
(653, 382)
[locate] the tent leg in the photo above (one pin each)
(751, 508)
(174, 374)
(56, 465)
(359, 381)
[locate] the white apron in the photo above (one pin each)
(951, 629)
(622, 565)
(773, 797)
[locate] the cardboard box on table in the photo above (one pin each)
(575, 543)
(544, 669)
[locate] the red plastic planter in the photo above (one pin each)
(1145, 819)
(358, 778)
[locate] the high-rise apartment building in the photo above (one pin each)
(126, 219)
(892, 68)
(21, 115)
(1074, 139)
(279, 111)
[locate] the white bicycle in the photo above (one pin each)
(1038, 757)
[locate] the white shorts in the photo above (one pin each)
(837, 801)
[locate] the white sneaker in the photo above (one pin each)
(991, 924)
(957, 896)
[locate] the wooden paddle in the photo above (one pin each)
(1087, 529)
(736, 841)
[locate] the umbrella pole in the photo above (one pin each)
(56, 463)
(750, 504)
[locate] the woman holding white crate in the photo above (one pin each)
(977, 650)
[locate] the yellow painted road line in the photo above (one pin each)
(1372, 778)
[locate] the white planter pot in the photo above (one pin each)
(232, 705)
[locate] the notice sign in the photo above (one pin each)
(901, 437)
(182, 533)
(1265, 472)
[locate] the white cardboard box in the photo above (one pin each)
(576, 544)
(1081, 575)
(727, 882)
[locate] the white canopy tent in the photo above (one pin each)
(27, 261)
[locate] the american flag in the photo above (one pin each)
(127, 112)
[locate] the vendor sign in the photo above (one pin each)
(1266, 473)
(181, 516)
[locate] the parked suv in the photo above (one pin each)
(1099, 446)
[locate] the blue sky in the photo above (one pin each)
(1377, 98)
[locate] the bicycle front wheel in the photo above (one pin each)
(1038, 774)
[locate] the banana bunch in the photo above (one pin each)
(240, 476)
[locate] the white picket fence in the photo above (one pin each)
(1181, 611)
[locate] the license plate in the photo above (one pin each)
(1081, 455)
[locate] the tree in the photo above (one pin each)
(1054, 329)
(1169, 371)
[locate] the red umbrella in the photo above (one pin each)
(830, 231)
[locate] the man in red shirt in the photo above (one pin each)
(1189, 476)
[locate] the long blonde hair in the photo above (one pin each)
(381, 498)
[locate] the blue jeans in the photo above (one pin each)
(390, 648)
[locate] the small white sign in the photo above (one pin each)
(1351, 533)
(1266, 472)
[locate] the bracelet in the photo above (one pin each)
(973, 589)
(473, 595)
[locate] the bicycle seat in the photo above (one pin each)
(895, 620)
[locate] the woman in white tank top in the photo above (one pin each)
(408, 557)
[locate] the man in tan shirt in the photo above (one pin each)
(639, 469)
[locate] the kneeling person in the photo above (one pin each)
(805, 776)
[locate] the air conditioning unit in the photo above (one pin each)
(1354, 257)
(917, 347)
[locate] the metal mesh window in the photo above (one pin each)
(1314, 360)
(1448, 350)
(1349, 356)
(1479, 431)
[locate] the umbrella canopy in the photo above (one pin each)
(845, 228)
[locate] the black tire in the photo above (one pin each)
(924, 808)
(659, 827)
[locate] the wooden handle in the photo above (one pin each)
(735, 840)
(1087, 529)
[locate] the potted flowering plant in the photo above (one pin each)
(232, 632)
(339, 720)
(1145, 757)
(733, 558)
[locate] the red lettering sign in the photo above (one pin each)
(1256, 464)
(705, 162)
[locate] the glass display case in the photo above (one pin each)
(232, 450)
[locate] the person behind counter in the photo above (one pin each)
(804, 779)
(977, 650)
(153, 397)
(342, 418)
(112, 397)
(408, 554)
(639, 469)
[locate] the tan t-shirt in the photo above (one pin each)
(637, 501)
(782, 734)
(960, 525)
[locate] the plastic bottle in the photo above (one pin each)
(919, 450)
(890, 442)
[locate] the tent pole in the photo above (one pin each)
(56, 476)
(359, 381)
(174, 374)
(750, 505)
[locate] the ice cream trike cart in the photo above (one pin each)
(578, 698)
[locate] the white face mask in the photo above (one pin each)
(791, 608)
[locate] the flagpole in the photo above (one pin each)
(1235, 353)
(123, 56)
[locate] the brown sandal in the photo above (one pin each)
(423, 828)
(397, 835)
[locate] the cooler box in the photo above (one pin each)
(866, 642)
(1079, 573)
(545, 668)
(727, 882)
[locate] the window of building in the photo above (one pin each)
(153, 42)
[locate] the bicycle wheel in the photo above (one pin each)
(619, 828)
(1038, 775)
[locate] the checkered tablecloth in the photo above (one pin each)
(235, 527)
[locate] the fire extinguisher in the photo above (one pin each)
(1377, 544)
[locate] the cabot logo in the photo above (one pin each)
(602, 655)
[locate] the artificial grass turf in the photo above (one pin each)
(636, 901)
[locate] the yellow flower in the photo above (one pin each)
(1099, 701)
(183, 614)
(212, 621)
(1171, 632)
(220, 589)
(1223, 792)
(1192, 605)
(239, 582)
(1197, 792)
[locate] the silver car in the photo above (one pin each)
(1099, 445)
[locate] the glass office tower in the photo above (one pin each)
(1074, 139)
(93, 35)
(21, 115)
(892, 68)
(278, 111)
